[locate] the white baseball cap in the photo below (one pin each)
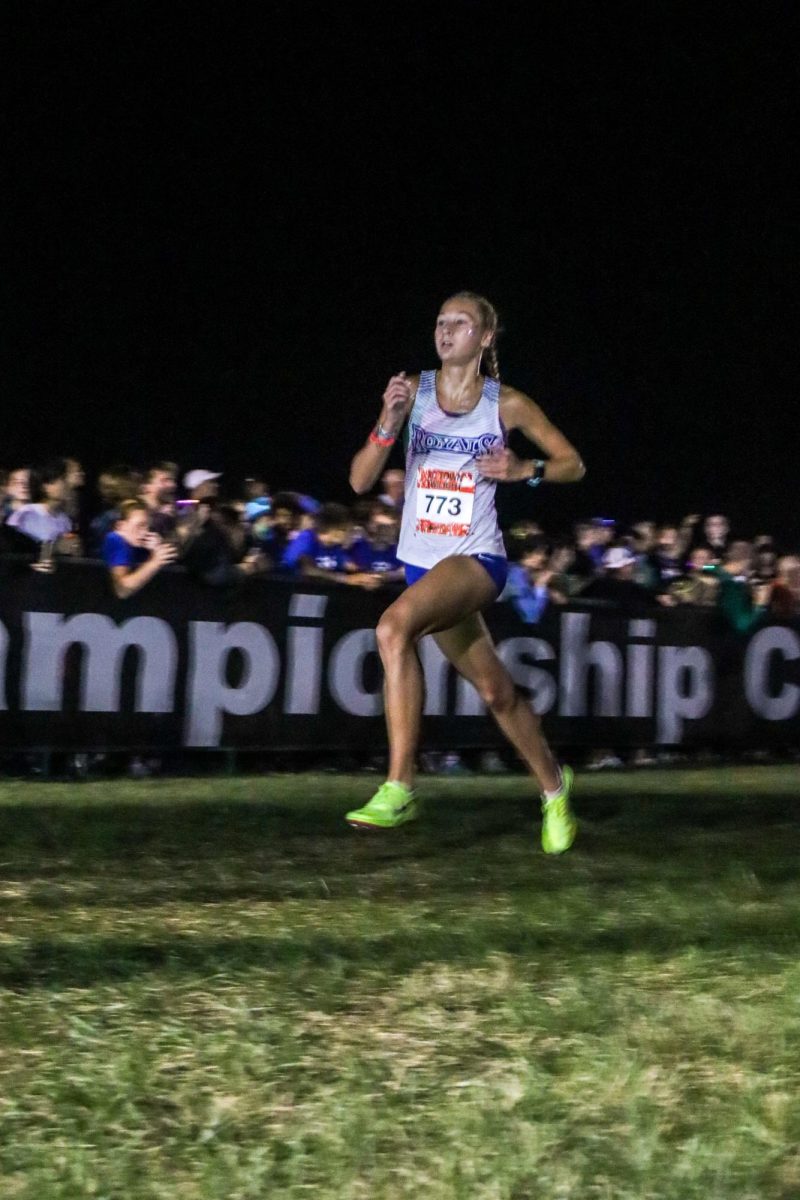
(618, 556)
(193, 479)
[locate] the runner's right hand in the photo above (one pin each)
(395, 401)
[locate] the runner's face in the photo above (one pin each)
(459, 335)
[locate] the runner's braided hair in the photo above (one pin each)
(490, 321)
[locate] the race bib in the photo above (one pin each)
(444, 501)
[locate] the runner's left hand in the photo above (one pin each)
(503, 466)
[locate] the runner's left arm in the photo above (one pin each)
(560, 463)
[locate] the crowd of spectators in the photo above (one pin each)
(141, 520)
(220, 531)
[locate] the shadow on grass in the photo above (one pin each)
(46, 963)
(123, 855)
(126, 828)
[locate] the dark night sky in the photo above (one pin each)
(225, 224)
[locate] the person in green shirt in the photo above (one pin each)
(741, 601)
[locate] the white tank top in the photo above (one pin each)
(449, 508)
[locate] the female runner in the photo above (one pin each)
(456, 453)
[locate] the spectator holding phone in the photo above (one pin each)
(132, 552)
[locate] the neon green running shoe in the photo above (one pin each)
(558, 821)
(393, 804)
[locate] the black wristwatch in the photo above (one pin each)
(538, 473)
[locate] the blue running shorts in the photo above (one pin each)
(495, 565)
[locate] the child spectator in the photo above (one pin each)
(275, 528)
(530, 586)
(375, 552)
(132, 553)
(320, 552)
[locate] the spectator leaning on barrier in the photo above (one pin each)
(375, 551)
(530, 587)
(281, 527)
(132, 553)
(45, 520)
(321, 552)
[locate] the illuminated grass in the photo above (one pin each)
(214, 989)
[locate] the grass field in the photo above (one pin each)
(213, 989)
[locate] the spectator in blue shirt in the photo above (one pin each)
(132, 553)
(322, 552)
(530, 581)
(376, 551)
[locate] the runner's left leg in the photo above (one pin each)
(470, 649)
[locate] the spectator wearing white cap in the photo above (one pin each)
(616, 585)
(201, 484)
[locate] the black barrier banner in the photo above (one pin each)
(279, 664)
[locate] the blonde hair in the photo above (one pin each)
(128, 507)
(490, 321)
